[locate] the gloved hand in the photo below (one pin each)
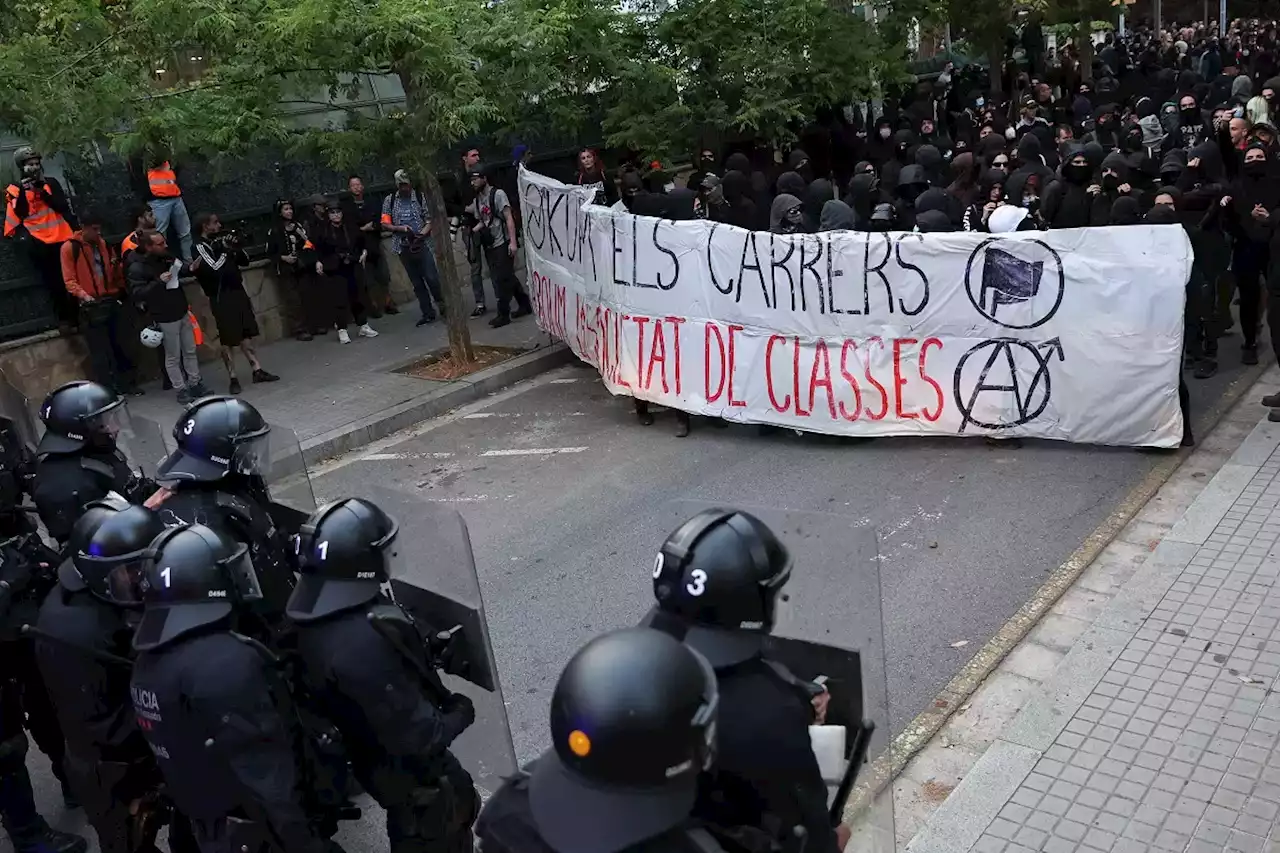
(461, 712)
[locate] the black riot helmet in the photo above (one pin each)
(342, 558)
(216, 437)
(90, 520)
(109, 563)
(716, 580)
(633, 723)
(192, 577)
(80, 415)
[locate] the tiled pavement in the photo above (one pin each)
(1160, 730)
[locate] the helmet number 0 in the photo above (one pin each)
(697, 583)
(658, 562)
(188, 427)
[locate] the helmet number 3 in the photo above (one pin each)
(188, 427)
(697, 583)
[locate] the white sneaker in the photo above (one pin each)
(367, 331)
(343, 337)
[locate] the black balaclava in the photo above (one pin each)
(902, 142)
(786, 215)
(792, 184)
(738, 162)
(933, 222)
(862, 196)
(1161, 214)
(1114, 162)
(912, 182)
(1125, 211)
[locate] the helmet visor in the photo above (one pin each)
(243, 576)
(108, 422)
(253, 456)
(124, 583)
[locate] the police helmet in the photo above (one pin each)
(633, 723)
(192, 577)
(341, 558)
(109, 563)
(216, 437)
(80, 415)
(717, 580)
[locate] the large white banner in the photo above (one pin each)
(1073, 335)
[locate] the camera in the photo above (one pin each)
(233, 238)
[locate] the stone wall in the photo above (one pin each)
(38, 364)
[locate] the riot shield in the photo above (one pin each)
(18, 414)
(434, 578)
(288, 482)
(144, 443)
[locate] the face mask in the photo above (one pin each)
(1189, 115)
(1256, 168)
(715, 196)
(1076, 173)
(1110, 182)
(1010, 133)
(885, 133)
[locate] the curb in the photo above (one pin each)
(370, 428)
(917, 734)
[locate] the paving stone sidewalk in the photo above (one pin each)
(1160, 729)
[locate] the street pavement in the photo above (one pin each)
(567, 498)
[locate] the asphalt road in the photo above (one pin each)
(903, 547)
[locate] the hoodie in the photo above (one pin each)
(862, 199)
(973, 220)
(911, 186)
(781, 204)
(903, 142)
(739, 209)
(818, 193)
(1124, 211)
(836, 216)
(1241, 89)
(791, 183)
(933, 221)
(929, 158)
(799, 162)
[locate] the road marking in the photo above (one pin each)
(384, 457)
(533, 451)
(568, 381)
(926, 725)
(479, 415)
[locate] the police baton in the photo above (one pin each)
(858, 755)
(104, 657)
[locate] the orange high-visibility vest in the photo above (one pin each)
(43, 222)
(163, 182)
(128, 244)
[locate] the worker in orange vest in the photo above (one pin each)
(156, 181)
(38, 213)
(93, 276)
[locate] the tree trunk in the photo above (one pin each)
(460, 346)
(1084, 46)
(995, 59)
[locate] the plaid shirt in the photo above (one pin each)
(404, 211)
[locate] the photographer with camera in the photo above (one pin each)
(38, 214)
(406, 218)
(222, 255)
(93, 276)
(495, 232)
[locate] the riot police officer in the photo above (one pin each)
(717, 580)
(83, 647)
(27, 830)
(17, 471)
(206, 700)
(369, 672)
(633, 724)
(78, 458)
(215, 478)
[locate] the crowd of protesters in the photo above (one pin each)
(1176, 126)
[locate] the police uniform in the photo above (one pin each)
(717, 580)
(208, 703)
(365, 667)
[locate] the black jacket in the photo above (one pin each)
(337, 247)
(289, 238)
(764, 761)
(66, 482)
(149, 293)
(219, 270)
(206, 705)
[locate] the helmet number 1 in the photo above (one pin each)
(698, 583)
(167, 574)
(323, 548)
(188, 427)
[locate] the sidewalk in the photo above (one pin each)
(1142, 712)
(337, 397)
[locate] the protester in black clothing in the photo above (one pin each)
(864, 191)
(792, 183)
(288, 247)
(738, 209)
(590, 171)
(1248, 207)
(903, 155)
(366, 213)
(786, 215)
(836, 216)
(495, 233)
(912, 183)
(339, 264)
(1191, 127)
(818, 193)
(990, 195)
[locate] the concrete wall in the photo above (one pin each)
(40, 363)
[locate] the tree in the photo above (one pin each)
(72, 71)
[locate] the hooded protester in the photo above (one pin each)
(739, 209)
(933, 222)
(1173, 165)
(1031, 160)
(710, 202)
(638, 199)
(704, 164)
(990, 195)
(929, 158)
(786, 215)
(990, 147)
(863, 194)
(836, 216)
(1248, 207)
(1105, 130)
(1114, 181)
(798, 162)
(912, 183)
(1241, 89)
(791, 183)
(882, 218)
(935, 200)
(964, 184)
(1191, 127)
(1068, 203)
(1024, 189)
(1082, 110)
(738, 162)
(880, 141)
(903, 155)
(1125, 211)
(818, 193)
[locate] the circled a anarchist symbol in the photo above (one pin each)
(995, 382)
(1018, 284)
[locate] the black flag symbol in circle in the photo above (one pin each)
(1018, 284)
(1022, 404)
